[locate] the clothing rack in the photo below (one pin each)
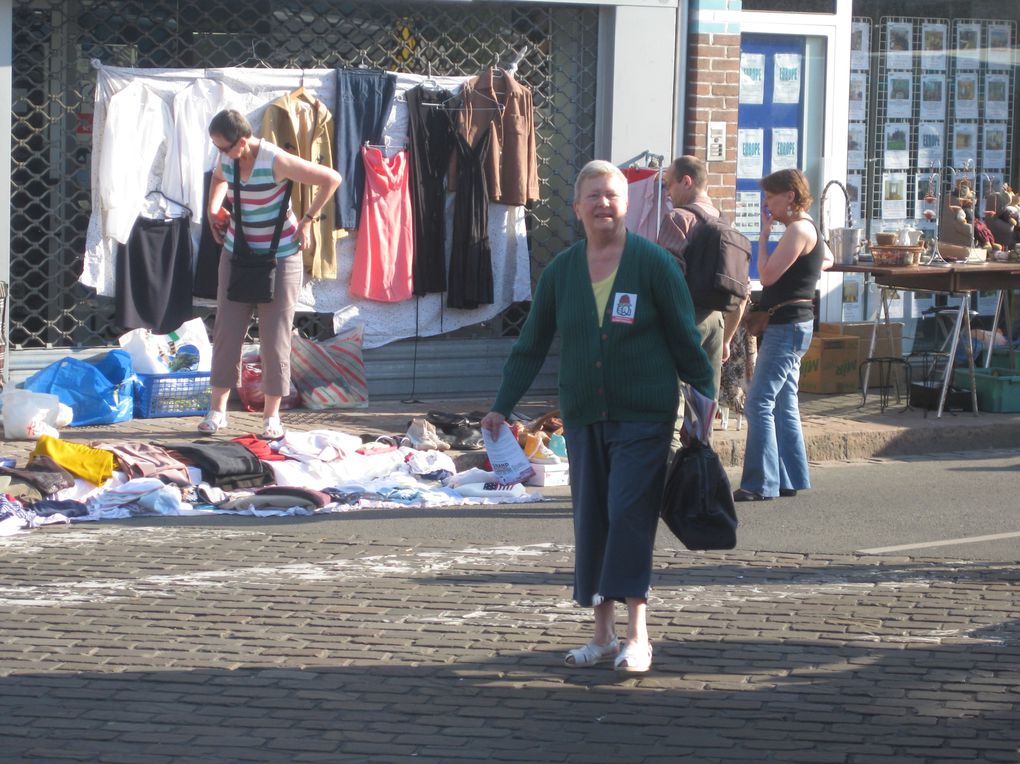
(654, 161)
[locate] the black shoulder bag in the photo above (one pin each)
(253, 276)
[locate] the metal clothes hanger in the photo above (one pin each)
(169, 199)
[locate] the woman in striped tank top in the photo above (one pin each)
(265, 170)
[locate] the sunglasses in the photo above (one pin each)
(229, 148)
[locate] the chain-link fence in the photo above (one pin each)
(53, 100)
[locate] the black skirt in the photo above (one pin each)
(154, 277)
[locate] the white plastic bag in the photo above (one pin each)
(27, 415)
(185, 349)
(507, 457)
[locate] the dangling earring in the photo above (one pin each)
(789, 210)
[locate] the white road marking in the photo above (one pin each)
(944, 542)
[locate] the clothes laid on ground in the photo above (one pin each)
(385, 245)
(260, 448)
(301, 124)
(431, 139)
(154, 276)
(92, 464)
(226, 465)
(43, 474)
(363, 99)
(137, 459)
(470, 278)
(142, 496)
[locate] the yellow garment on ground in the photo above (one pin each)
(88, 463)
(602, 290)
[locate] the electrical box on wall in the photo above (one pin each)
(716, 141)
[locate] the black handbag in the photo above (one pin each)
(697, 502)
(252, 276)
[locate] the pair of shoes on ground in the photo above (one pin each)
(214, 421)
(422, 435)
(742, 494)
(631, 657)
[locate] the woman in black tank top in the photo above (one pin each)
(775, 460)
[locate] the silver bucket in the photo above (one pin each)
(845, 243)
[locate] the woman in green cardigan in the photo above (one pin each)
(626, 323)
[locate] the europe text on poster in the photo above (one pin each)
(752, 78)
(964, 145)
(860, 45)
(933, 96)
(897, 145)
(855, 145)
(785, 151)
(899, 95)
(933, 46)
(930, 144)
(786, 84)
(1000, 52)
(996, 96)
(751, 153)
(965, 105)
(894, 196)
(899, 45)
(994, 148)
(748, 217)
(968, 46)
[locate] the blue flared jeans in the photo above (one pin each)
(774, 456)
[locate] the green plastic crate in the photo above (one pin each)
(998, 390)
(1000, 359)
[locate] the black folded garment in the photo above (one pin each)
(224, 464)
(43, 474)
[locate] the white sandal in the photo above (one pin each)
(272, 428)
(213, 421)
(592, 653)
(634, 658)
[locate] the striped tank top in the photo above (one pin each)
(261, 197)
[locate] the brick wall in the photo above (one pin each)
(713, 90)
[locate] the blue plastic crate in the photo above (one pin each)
(186, 393)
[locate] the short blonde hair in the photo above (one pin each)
(794, 180)
(596, 168)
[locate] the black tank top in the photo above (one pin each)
(798, 282)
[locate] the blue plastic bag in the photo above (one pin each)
(99, 390)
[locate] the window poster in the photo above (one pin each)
(748, 215)
(933, 46)
(996, 90)
(894, 195)
(1000, 52)
(786, 85)
(925, 202)
(855, 146)
(930, 144)
(968, 46)
(899, 45)
(785, 149)
(933, 96)
(964, 145)
(897, 146)
(994, 145)
(853, 290)
(860, 45)
(854, 184)
(752, 78)
(750, 153)
(858, 95)
(900, 95)
(966, 105)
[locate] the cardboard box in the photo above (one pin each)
(830, 365)
(888, 343)
(549, 475)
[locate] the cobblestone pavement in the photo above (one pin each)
(172, 644)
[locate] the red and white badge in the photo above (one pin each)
(624, 308)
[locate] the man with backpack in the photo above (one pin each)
(714, 256)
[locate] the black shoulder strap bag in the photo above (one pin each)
(253, 276)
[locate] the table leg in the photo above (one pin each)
(995, 325)
(955, 341)
(882, 310)
(970, 356)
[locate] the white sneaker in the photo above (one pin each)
(423, 436)
(491, 490)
